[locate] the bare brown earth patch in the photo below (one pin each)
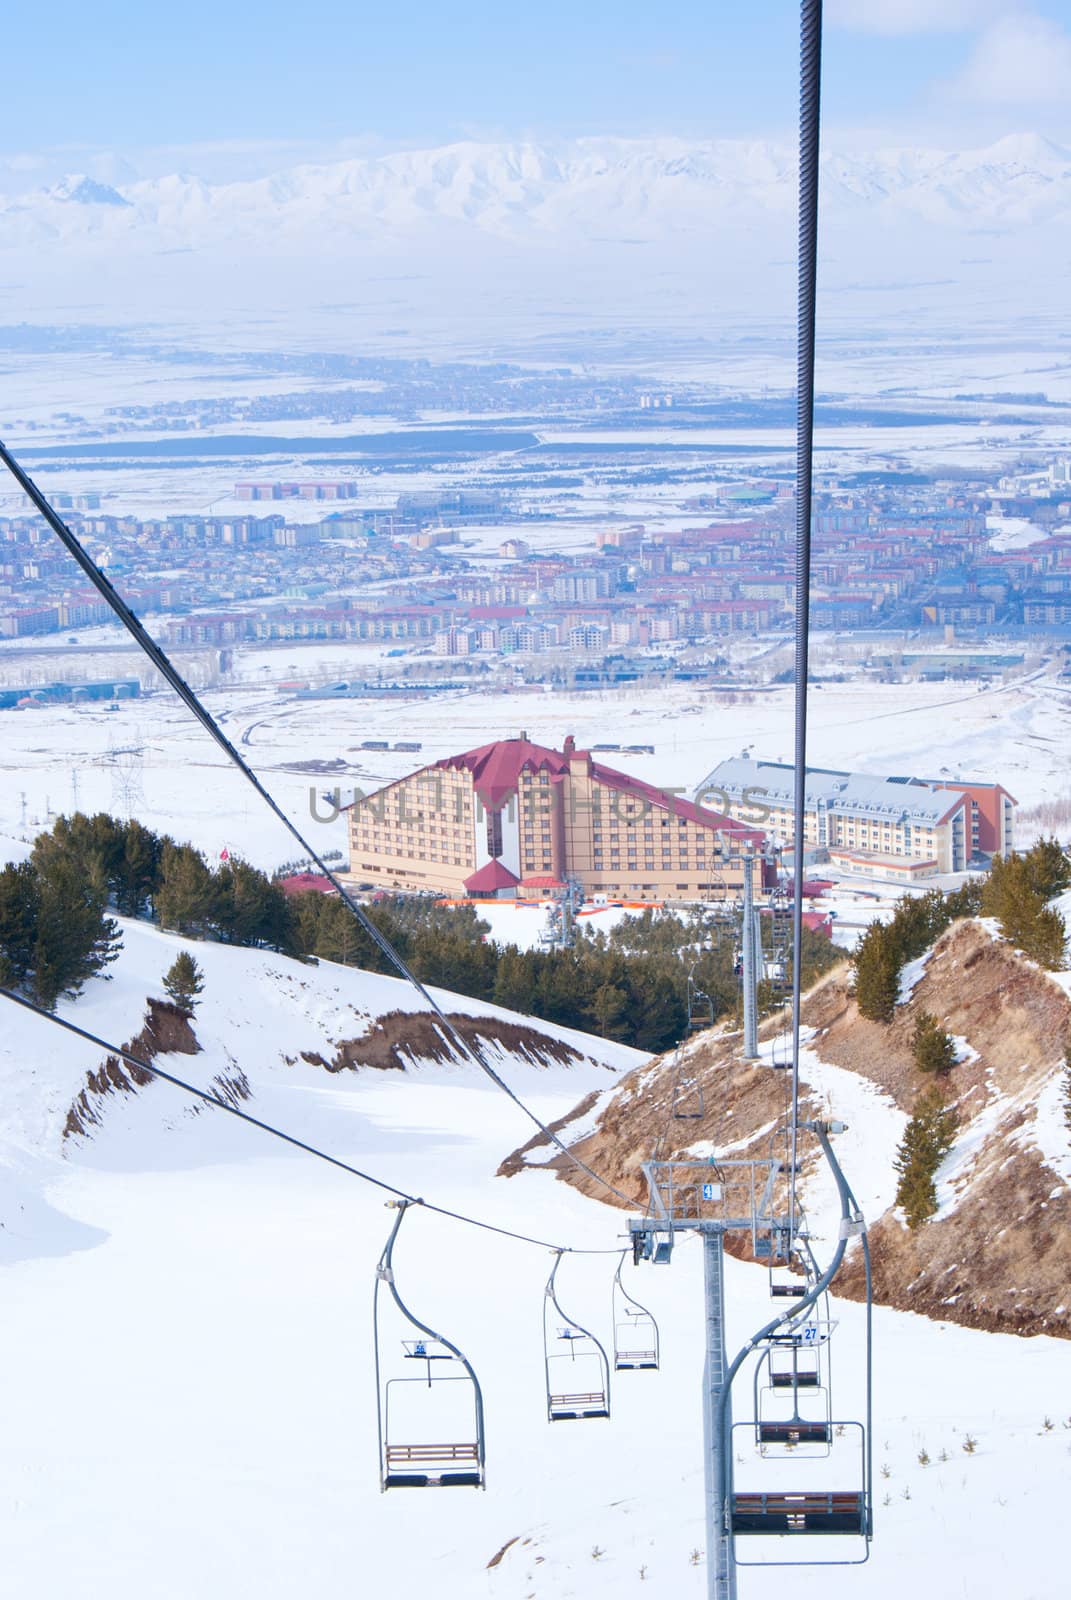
(1000, 1259)
(167, 1028)
(401, 1038)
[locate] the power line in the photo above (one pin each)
(164, 666)
(221, 1104)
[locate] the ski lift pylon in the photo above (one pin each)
(411, 1454)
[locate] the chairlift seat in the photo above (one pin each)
(800, 1513)
(631, 1360)
(577, 1407)
(794, 1380)
(788, 1291)
(795, 1432)
(445, 1466)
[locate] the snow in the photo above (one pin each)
(194, 1410)
(952, 1178)
(61, 755)
(911, 975)
(1049, 1131)
(865, 1150)
(577, 229)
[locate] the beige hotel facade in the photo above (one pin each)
(516, 819)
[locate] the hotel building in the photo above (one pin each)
(515, 819)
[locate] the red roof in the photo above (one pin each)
(544, 882)
(303, 882)
(496, 768)
(492, 875)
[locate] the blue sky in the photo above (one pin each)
(202, 84)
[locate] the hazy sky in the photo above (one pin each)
(229, 89)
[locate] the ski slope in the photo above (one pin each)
(189, 1405)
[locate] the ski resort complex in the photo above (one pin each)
(515, 819)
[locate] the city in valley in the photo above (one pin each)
(439, 554)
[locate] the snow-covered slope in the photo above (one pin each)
(279, 1023)
(189, 1405)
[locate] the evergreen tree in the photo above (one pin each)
(248, 909)
(1026, 921)
(609, 1006)
(75, 939)
(186, 899)
(19, 910)
(183, 982)
(135, 872)
(931, 1046)
(877, 974)
(1048, 868)
(927, 1139)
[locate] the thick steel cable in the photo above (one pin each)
(807, 272)
(170, 674)
(221, 1104)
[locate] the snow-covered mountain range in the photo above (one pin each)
(516, 237)
(592, 187)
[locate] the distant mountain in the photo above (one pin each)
(663, 228)
(87, 192)
(596, 188)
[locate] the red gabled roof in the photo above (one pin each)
(496, 768)
(492, 875)
(625, 783)
(544, 882)
(303, 882)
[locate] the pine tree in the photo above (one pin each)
(136, 870)
(931, 1046)
(927, 1139)
(184, 981)
(186, 900)
(877, 974)
(608, 1008)
(1015, 893)
(75, 939)
(19, 907)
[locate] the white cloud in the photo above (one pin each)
(913, 16)
(1021, 60)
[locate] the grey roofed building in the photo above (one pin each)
(894, 827)
(851, 793)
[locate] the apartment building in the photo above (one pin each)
(900, 828)
(516, 819)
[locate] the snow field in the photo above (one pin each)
(194, 1407)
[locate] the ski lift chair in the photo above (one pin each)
(429, 1415)
(636, 1341)
(575, 1363)
(842, 1508)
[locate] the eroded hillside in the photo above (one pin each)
(998, 1253)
